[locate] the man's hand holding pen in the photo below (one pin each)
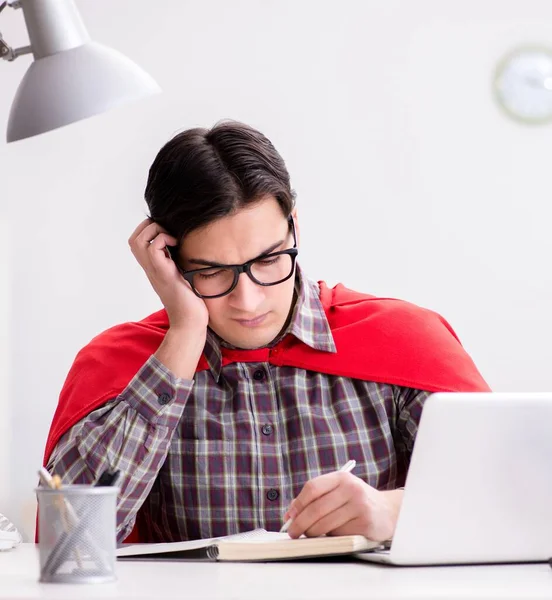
(340, 503)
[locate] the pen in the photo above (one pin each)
(346, 468)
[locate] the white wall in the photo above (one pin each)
(410, 181)
(5, 360)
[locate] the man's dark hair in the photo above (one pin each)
(201, 175)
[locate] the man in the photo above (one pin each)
(235, 406)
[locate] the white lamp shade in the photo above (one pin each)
(74, 84)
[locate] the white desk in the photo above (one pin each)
(278, 581)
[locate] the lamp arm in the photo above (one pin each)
(6, 51)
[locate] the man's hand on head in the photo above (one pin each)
(149, 243)
(342, 504)
(188, 315)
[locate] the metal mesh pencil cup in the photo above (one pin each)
(77, 533)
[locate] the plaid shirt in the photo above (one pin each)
(228, 451)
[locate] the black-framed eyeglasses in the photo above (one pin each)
(266, 270)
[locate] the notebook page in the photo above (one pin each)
(135, 549)
(260, 537)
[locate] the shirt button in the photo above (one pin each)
(273, 495)
(258, 375)
(163, 398)
(267, 429)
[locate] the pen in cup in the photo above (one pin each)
(346, 468)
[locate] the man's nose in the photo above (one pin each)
(247, 295)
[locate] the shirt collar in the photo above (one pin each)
(308, 324)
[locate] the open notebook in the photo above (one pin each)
(256, 545)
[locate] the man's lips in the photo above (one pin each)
(252, 322)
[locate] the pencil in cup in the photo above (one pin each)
(346, 468)
(67, 513)
(63, 506)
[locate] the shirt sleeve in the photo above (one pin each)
(131, 433)
(409, 404)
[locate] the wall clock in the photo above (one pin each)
(523, 84)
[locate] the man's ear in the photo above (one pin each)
(296, 223)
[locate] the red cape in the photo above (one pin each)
(377, 339)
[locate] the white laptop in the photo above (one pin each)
(479, 487)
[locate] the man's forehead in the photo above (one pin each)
(230, 244)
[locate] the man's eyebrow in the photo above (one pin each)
(208, 263)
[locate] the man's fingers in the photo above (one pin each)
(314, 488)
(306, 522)
(149, 243)
(156, 258)
(139, 230)
(147, 234)
(337, 521)
(354, 526)
(161, 240)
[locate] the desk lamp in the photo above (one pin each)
(71, 77)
